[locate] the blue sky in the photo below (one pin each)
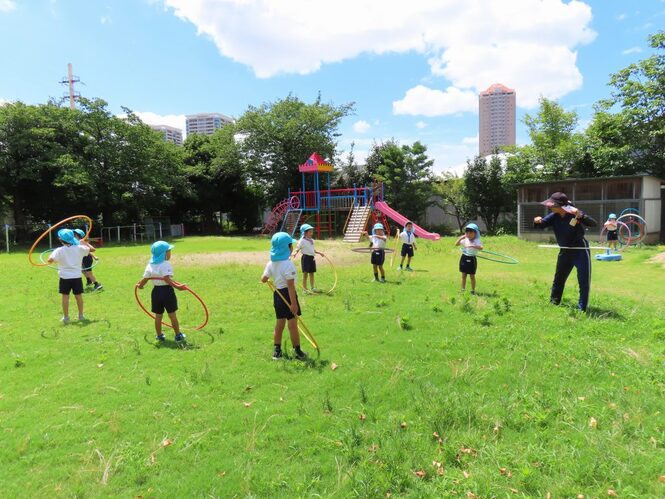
(413, 69)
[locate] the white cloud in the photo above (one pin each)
(105, 20)
(421, 100)
(471, 140)
(7, 5)
(420, 125)
(621, 17)
(175, 120)
(3, 102)
(529, 45)
(361, 126)
(632, 50)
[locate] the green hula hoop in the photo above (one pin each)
(508, 260)
(45, 262)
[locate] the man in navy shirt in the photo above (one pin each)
(569, 225)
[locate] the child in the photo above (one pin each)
(68, 257)
(468, 263)
(569, 225)
(612, 231)
(307, 262)
(408, 245)
(283, 273)
(378, 244)
(163, 297)
(87, 261)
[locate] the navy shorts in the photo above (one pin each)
(74, 285)
(407, 249)
(86, 263)
(163, 298)
(468, 264)
(378, 257)
(308, 264)
(612, 235)
(282, 310)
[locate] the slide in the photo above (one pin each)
(401, 219)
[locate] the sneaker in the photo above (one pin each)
(277, 354)
(316, 290)
(399, 268)
(473, 292)
(82, 318)
(97, 287)
(160, 337)
(299, 355)
(65, 319)
(180, 337)
(376, 279)
(383, 279)
(409, 269)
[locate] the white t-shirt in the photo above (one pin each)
(158, 270)
(611, 225)
(280, 272)
(466, 246)
(407, 237)
(377, 242)
(69, 259)
(306, 246)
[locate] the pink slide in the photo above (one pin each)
(401, 219)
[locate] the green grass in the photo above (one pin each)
(510, 384)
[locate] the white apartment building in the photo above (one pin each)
(497, 118)
(206, 123)
(171, 134)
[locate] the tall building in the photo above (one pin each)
(171, 134)
(206, 123)
(497, 118)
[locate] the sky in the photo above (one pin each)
(413, 69)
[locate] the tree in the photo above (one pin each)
(279, 136)
(406, 174)
(485, 190)
(454, 202)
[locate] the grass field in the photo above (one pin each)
(419, 391)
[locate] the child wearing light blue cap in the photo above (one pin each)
(612, 227)
(160, 271)
(470, 242)
(307, 261)
(283, 273)
(69, 257)
(87, 261)
(378, 244)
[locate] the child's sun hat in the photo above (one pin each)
(304, 228)
(279, 250)
(472, 227)
(377, 227)
(80, 233)
(158, 250)
(612, 215)
(67, 236)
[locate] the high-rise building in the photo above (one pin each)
(206, 123)
(497, 118)
(171, 134)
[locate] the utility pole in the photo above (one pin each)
(70, 80)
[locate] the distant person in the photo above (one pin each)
(308, 259)
(87, 261)
(163, 297)
(69, 257)
(283, 272)
(408, 238)
(612, 228)
(569, 225)
(468, 263)
(378, 244)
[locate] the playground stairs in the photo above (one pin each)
(357, 223)
(290, 222)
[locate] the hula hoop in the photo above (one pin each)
(369, 250)
(302, 327)
(640, 223)
(46, 232)
(604, 232)
(187, 288)
(83, 269)
(629, 210)
(334, 283)
(555, 246)
(500, 258)
(392, 257)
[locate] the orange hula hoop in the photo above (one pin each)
(75, 217)
(187, 288)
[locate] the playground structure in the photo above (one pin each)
(322, 206)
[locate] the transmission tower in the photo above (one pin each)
(70, 80)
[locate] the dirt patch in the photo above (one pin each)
(659, 258)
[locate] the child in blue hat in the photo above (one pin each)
(163, 297)
(307, 261)
(612, 228)
(470, 242)
(87, 261)
(283, 273)
(68, 257)
(378, 244)
(408, 238)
